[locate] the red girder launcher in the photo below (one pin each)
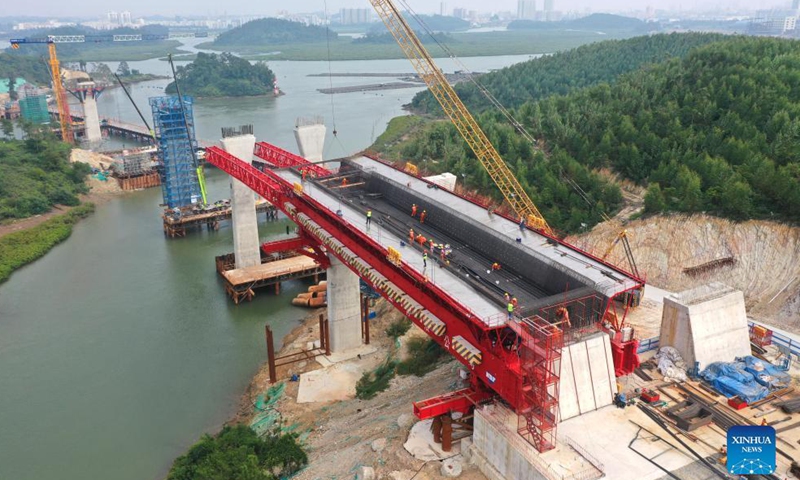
(495, 366)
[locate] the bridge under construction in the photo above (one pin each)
(355, 221)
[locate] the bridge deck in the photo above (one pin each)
(605, 279)
(481, 307)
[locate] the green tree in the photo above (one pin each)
(102, 72)
(654, 201)
(238, 453)
(7, 127)
(123, 70)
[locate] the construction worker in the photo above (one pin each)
(424, 260)
(305, 172)
(764, 422)
(514, 302)
(414, 210)
(411, 236)
(495, 266)
(522, 224)
(507, 297)
(344, 182)
(431, 243)
(422, 216)
(510, 308)
(369, 217)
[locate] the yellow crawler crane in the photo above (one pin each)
(464, 122)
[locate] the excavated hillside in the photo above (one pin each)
(760, 258)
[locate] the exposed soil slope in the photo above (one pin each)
(766, 256)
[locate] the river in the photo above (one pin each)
(119, 348)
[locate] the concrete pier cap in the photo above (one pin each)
(310, 136)
(240, 142)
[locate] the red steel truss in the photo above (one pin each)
(281, 158)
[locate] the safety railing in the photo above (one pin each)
(782, 341)
(647, 345)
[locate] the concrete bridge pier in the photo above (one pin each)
(241, 143)
(344, 306)
(344, 293)
(88, 94)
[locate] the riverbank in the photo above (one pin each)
(482, 44)
(20, 248)
(341, 436)
(26, 240)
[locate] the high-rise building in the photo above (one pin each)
(353, 16)
(443, 9)
(460, 13)
(125, 18)
(113, 17)
(526, 9)
(548, 5)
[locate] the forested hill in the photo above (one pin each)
(273, 31)
(563, 72)
(716, 131)
(223, 75)
(598, 21)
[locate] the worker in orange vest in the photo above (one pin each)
(414, 210)
(495, 266)
(411, 236)
(305, 172)
(344, 182)
(431, 243)
(514, 302)
(422, 216)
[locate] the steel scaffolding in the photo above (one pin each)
(34, 109)
(540, 344)
(179, 183)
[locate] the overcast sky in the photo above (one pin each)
(271, 7)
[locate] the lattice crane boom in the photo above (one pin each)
(464, 122)
(65, 116)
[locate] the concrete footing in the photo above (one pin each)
(706, 324)
(501, 453)
(243, 205)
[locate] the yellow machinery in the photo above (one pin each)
(622, 237)
(466, 125)
(65, 117)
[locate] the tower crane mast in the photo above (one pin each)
(455, 109)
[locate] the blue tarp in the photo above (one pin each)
(767, 374)
(748, 378)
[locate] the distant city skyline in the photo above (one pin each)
(212, 8)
